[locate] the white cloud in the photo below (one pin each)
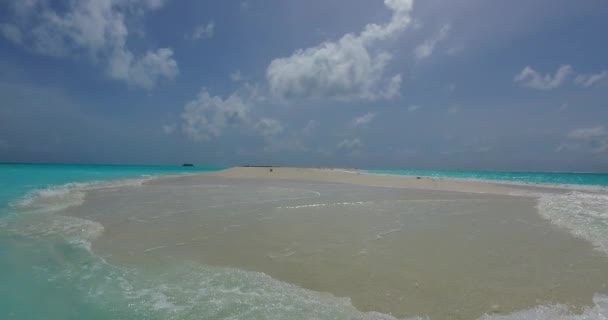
(207, 116)
(363, 120)
(393, 89)
(269, 127)
(204, 31)
(425, 49)
(593, 139)
(310, 127)
(530, 78)
(95, 28)
(145, 72)
(453, 110)
(588, 133)
(348, 69)
(588, 80)
(353, 143)
(236, 76)
(413, 108)
(11, 32)
(169, 128)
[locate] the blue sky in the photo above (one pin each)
(461, 84)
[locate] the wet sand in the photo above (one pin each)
(396, 245)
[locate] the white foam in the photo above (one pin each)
(192, 291)
(558, 312)
(584, 214)
(545, 185)
(71, 194)
(35, 215)
(77, 231)
(318, 205)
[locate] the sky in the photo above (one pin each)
(403, 84)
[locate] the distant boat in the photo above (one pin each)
(187, 165)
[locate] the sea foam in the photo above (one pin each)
(584, 214)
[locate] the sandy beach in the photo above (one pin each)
(396, 245)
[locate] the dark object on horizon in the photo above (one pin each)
(187, 165)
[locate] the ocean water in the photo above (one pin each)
(559, 178)
(42, 255)
(48, 271)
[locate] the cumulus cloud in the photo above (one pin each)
(348, 69)
(11, 33)
(588, 80)
(363, 120)
(425, 49)
(145, 72)
(593, 139)
(95, 28)
(310, 127)
(453, 110)
(237, 76)
(350, 143)
(207, 116)
(269, 127)
(413, 108)
(204, 31)
(169, 128)
(530, 78)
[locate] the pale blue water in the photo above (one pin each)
(48, 272)
(16, 180)
(590, 179)
(39, 276)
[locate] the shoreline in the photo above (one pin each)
(358, 236)
(337, 175)
(393, 244)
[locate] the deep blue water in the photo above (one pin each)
(592, 179)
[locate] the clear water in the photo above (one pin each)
(42, 275)
(561, 178)
(16, 180)
(47, 270)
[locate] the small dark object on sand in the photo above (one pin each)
(418, 178)
(270, 169)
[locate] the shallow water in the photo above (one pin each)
(560, 178)
(213, 248)
(407, 253)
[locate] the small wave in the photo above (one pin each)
(516, 183)
(584, 214)
(192, 291)
(558, 312)
(34, 215)
(317, 205)
(61, 197)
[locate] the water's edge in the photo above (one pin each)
(100, 290)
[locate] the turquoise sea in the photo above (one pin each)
(47, 270)
(43, 275)
(561, 178)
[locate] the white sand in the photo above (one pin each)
(354, 177)
(393, 244)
